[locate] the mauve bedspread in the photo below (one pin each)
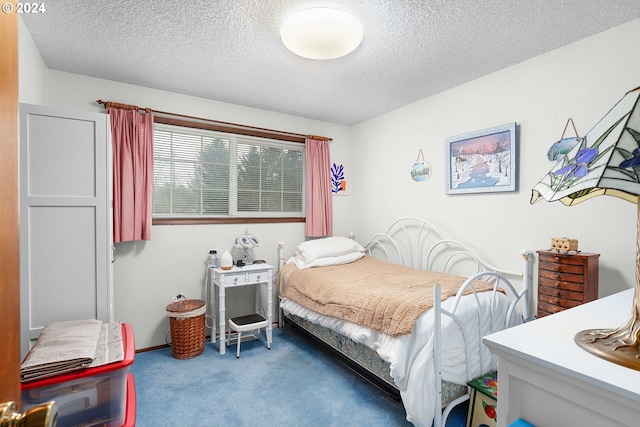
(382, 296)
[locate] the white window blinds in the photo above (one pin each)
(200, 173)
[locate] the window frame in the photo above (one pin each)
(248, 219)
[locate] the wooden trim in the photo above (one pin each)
(193, 121)
(227, 129)
(235, 220)
(206, 337)
(212, 125)
(9, 209)
(156, 347)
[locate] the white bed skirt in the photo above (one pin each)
(411, 356)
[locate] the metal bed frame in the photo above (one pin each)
(415, 242)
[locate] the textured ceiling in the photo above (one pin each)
(231, 50)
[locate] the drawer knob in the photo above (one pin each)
(556, 276)
(556, 259)
(235, 280)
(556, 293)
(556, 309)
(557, 268)
(258, 277)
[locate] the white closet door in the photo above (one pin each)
(65, 218)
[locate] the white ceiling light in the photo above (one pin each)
(321, 33)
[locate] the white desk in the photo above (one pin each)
(546, 379)
(254, 274)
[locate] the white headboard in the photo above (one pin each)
(415, 242)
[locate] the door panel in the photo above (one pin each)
(62, 161)
(53, 230)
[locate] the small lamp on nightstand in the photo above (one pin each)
(246, 242)
(607, 161)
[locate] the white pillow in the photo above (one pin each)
(326, 261)
(327, 247)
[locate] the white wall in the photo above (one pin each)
(540, 95)
(148, 274)
(32, 71)
(582, 81)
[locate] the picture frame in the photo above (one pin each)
(339, 179)
(483, 161)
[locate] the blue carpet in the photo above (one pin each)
(293, 384)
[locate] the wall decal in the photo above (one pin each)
(338, 179)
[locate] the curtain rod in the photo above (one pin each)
(164, 113)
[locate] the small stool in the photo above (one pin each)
(250, 322)
(484, 401)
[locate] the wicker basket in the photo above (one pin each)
(187, 324)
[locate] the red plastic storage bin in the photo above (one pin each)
(130, 416)
(93, 396)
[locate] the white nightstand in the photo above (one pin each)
(254, 274)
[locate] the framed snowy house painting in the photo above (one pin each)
(482, 161)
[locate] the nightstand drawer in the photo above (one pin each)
(260, 276)
(233, 279)
(240, 277)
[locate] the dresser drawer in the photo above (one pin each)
(559, 284)
(557, 267)
(558, 302)
(559, 258)
(566, 280)
(546, 309)
(560, 292)
(561, 277)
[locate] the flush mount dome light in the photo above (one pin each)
(321, 33)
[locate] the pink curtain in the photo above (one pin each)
(132, 143)
(319, 220)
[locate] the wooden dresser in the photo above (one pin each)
(566, 280)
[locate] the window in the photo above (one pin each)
(207, 174)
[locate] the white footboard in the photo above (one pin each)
(501, 284)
